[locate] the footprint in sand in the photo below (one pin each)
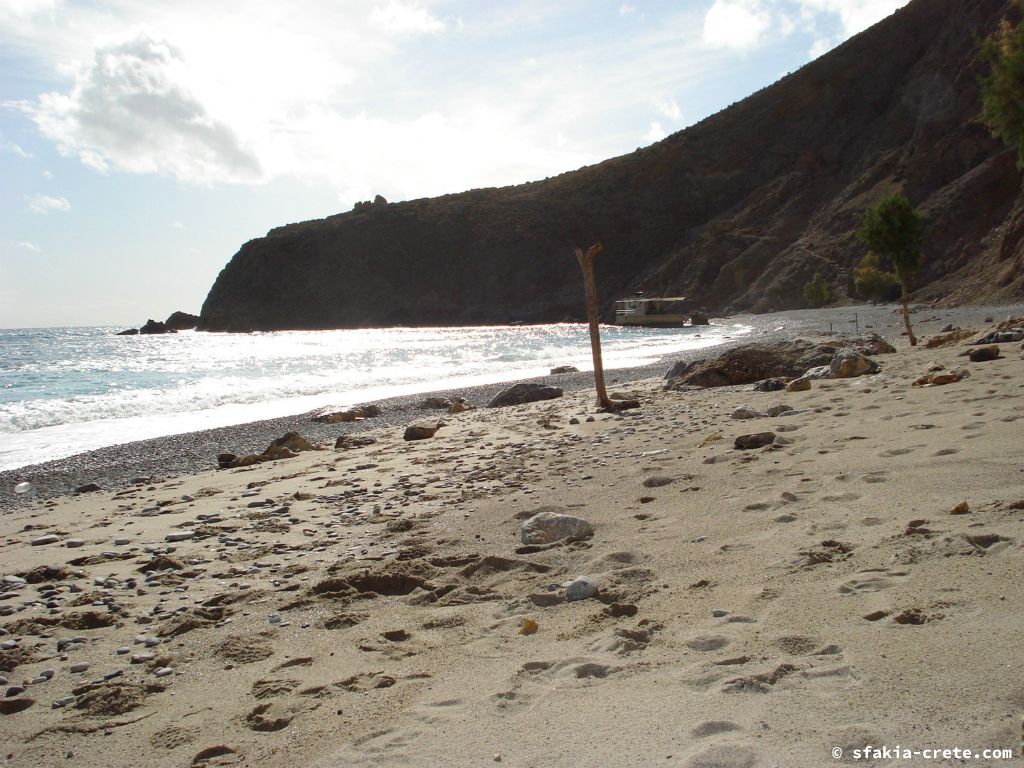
(300, 661)
(796, 645)
(720, 755)
(946, 452)
(713, 728)
(173, 736)
(841, 498)
(708, 642)
(831, 677)
(892, 452)
(870, 581)
(876, 477)
(272, 689)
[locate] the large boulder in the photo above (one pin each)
(518, 394)
(421, 430)
(181, 321)
(849, 363)
(753, 363)
(292, 442)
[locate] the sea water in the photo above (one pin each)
(68, 390)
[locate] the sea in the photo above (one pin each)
(68, 390)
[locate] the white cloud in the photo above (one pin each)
(24, 9)
(132, 110)
(821, 46)
(44, 204)
(15, 149)
(670, 109)
(736, 23)
(656, 132)
(855, 15)
(404, 18)
(626, 9)
(30, 246)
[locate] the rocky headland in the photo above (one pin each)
(738, 211)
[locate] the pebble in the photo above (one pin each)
(719, 613)
(580, 588)
(79, 668)
(74, 543)
(66, 701)
(50, 538)
(164, 672)
(142, 658)
(180, 536)
(14, 690)
(122, 650)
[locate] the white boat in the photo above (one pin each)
(668, 312)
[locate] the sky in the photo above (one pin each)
(143, 142)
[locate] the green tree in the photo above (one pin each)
(873, 282)
(892, 230)
(1002, 89)
(816, 291)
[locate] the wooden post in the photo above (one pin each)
(586, 261)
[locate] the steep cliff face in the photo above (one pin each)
(740, 210)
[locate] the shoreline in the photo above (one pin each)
(161, 458)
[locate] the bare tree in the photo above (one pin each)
(586, 261)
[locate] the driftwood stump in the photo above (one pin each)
(586, 261)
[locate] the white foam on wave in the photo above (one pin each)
(427, 360)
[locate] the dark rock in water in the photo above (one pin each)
(740, 209)
(181, 321)
(758, 440)
(557, 371)
(518, 394)
(984, 354)
(154, 327)
(421, 430)
(129, 332)
(88, 488)
(699, 318)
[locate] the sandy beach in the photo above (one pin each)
(855, 581)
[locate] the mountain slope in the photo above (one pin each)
(739, 210)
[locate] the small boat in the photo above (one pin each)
(670, 312)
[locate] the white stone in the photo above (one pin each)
(580, 588)
(547, 527)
